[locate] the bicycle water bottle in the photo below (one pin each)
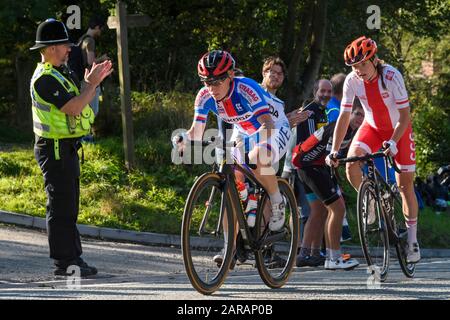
(251, 209)
(242, 189)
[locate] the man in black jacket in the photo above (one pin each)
(322, 190)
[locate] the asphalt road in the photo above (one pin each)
(135, 272)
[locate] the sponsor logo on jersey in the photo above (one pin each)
(282, 138)
(273, 111)
(249, 93)
(385, 95)
(238, 107)
(390, 75)
(314, 153)
(202, 97)
(237, 119)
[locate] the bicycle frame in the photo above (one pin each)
(227, 172)
(374, 174)
(229, 231)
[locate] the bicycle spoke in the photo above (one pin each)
(277, 258)
(372, 229)
(205, 234)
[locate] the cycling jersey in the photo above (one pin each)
(380, 105)
(245, 103)
(312, 151)
(382, 114)
(315, 121)
(276, 108)
(309, 158)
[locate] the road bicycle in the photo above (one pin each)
(212, 214)
(380, 217)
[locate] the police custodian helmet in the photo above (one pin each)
(51, 32)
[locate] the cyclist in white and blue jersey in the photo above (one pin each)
(242, 102)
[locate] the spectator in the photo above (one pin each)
(334, 105)
(87, 43)
(322, 189)
(313, 223)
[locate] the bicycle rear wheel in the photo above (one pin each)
(204, 234)
(373, 233)
(399, 226)
(277, 257)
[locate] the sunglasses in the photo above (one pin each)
(214, 83)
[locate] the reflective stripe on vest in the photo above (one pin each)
(48, 120)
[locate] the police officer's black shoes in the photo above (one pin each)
(84, 269)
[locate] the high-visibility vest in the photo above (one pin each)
(48, 120)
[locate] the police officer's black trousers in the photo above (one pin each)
(61, 178)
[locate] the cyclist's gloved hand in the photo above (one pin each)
(391, 147)
(331, 159)
(179, 141)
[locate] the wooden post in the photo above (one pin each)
(124, 79)
(121, 22)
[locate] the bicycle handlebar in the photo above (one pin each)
(214, 140)
(206, 143)
(369, 156)
(361, 158)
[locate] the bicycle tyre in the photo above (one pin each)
(209, 285)
(372, 234)
(408, 269)
(291, 224)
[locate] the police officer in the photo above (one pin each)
(61, 116)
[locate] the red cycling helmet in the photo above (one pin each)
(359, 50)
(214, 65)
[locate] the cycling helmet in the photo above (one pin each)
(214, 65)
(359, 50)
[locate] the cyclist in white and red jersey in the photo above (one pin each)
(381, 90)
(242, 102)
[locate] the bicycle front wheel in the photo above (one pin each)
(276, 258)
(206, 228)
(373, 233)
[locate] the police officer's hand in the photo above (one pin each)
(98, 72)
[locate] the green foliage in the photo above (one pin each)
(429, 100)
(433, 229)
(432, 135)
(10, 167)
(163, 58)
(152, 197)
(11, 134)
(161, 113)
(16, 164)
(149, 199)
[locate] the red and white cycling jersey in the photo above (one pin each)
(380, 105)
(381, 108)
